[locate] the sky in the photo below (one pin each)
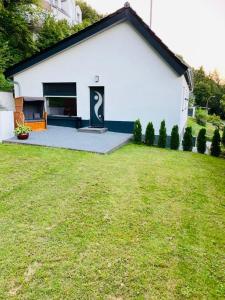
(194, 29)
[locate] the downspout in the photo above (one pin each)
(18, 85)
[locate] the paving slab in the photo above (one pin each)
(70, 138)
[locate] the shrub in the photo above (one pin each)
(201, 117)
(201, 141)
(5, 85)
(162, 135)
(215, 120)
(137, 132)
(223, 137)
(175, 140)
(215, 147)
(187, 140)
(150, 135)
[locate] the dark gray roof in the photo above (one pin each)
(123, 14)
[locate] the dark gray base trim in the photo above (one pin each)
(85, 123)
(168, 139)
(73, 122)
(115, 126)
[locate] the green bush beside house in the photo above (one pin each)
(215, 147)
(223, 136)
(201, 141)
(187, 142)
(187, 139)
(175, 139)
(137, 132)
(201, 117)
(162, 135)
(150, 135)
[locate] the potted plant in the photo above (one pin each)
(22, 132)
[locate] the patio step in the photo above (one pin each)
(93, 130)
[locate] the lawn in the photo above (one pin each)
(210, 128)
(141, 223)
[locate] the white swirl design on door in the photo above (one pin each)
(98, 97)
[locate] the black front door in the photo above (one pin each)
(97, 106)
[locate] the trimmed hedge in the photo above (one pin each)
(137, 132)
(201, 141)
(215, 147)
(162, 135)
(223, 137)
(175, 139)
(150, 135)
(187, 140)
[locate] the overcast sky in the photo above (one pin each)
(193, 28)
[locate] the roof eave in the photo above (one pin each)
(89, 31)
(119, 16)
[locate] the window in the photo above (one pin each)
(62, 106)
(185, 99)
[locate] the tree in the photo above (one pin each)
(209, 90)
(5, 85)
(215, 76)
(15, 29)
(16, 39)
(223, 137)
(175, 140)
(25, 28)
(202, 93)
(88, 13)
(222, 106)
(201, 141)
(162, 135)
(187, 139)
(78, 27)
(52, 32)
(215, 146)
(9, 4)
(150, 135)
(137, 132)
(199, 74)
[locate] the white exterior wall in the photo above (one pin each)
(6, 125)
(184, 104)
(7, 101)
(78, 15)
(138, 83)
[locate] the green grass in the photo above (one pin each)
(141, 223)
(210, 128)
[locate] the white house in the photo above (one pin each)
(63, 10)
(109, 74)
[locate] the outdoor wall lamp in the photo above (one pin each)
(97, 78)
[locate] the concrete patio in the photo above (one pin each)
(70, 138)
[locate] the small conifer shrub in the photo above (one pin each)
(201, 141)
(137, 132)
(175, 139)
(162, 135)
(215, 147)
(223, 137)
(150, 135)
(187, 140)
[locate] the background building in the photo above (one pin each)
(64, 10)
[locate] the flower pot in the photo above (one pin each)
(23, 136)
